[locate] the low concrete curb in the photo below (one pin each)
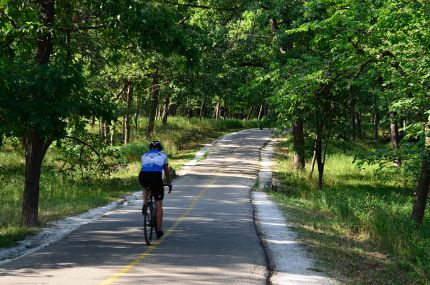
(289, 262)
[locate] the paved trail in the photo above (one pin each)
(210, 233)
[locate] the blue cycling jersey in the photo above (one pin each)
(154, 160)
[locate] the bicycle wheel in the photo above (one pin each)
(148, 227)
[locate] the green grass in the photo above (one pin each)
(62, 196)
(359, 225)
(11, 234)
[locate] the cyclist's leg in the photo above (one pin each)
(158, 197)
(143, 180)
(159, 213)
(146, 191)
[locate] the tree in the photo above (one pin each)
(37, 97)
(423, 181)
(41, 95)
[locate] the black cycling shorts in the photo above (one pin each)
(153, 180)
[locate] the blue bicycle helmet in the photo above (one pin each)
(155, 145)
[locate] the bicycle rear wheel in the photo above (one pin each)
(148, 223)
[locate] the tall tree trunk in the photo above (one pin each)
(136, 117)
(352, 113)
(266, 109)
(260, 113)
(128, 100)
(422, 189)
(105, 131)
(189, 112)
(322, 115)
(314, 156)
(202, 109)
(112, 135)
(376, 118)
(35, 150)
(155, 94)
(299, 145)
(320, 162)
(100, 121)
(44, 40)
(353, 128)
(220, 111)
(395, 138)
(35, 143)
(69, 12)
(166, 110)
(173, 109)
(274, 26)
(248, 117)
(358, 124)
(102, 130)
(376, 126)
(217, 111)
(158, 114)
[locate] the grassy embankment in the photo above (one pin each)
(359, 225)
(60, 196)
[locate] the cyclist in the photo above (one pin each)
(154, 162)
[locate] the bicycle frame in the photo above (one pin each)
(149, 215)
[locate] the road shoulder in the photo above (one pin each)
(289, 262)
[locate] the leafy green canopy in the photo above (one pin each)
(41, 97)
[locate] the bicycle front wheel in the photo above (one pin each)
(148, 223)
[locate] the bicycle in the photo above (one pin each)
(149, 216)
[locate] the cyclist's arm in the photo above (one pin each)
(167, 174)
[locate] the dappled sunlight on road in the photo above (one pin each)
(210, 236)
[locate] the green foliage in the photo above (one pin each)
(384, 158)
(366, 204)
(86, 159)
(39, 97)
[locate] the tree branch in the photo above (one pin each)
(77, 29)
(85, 144)
(14, 24)
(201, 6)
(394, 64)
(252, 64)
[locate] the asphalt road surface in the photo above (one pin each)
(210, 235)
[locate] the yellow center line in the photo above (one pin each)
(153, 247)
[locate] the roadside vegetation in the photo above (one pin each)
(359, 224)
(77, 79)
(65, 191)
